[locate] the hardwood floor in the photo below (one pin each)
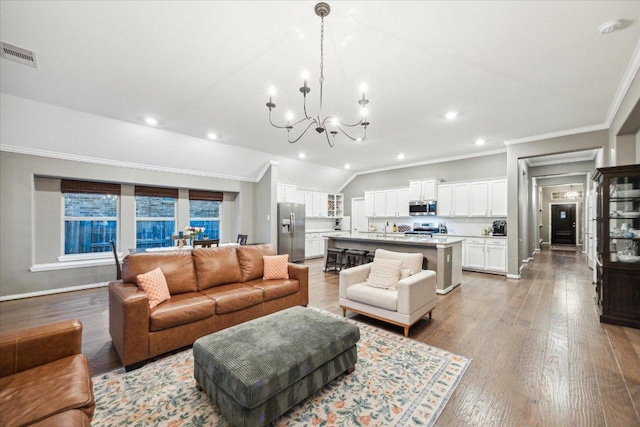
(540, 357)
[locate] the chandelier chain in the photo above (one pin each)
(321, 59)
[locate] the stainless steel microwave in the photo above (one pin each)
(422, 208)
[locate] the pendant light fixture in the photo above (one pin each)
(322, 124)
(571, 194)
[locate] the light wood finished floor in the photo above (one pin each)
(540, 357)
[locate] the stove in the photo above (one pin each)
(427, 228)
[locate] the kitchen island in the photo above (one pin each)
(443, 253)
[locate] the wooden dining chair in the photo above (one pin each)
(242, 239)
(207, 243)
(118, 266)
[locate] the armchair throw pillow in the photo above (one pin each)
(154, 284)
(384, 273)
(276, 267)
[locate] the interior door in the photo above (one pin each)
(358, 216)
(563, 224)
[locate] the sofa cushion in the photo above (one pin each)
(180, 310)
(276, 267)
(234, 297)
(377, 297)
(177, 267)
(155, 286)
(276, 288)
(412, 261)
(35, 394)
(70, 418)
(250, 257)
(216, 266)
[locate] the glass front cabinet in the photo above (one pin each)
(618, 244)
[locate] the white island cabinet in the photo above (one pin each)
(486, 254)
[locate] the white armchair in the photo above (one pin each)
(414, 297)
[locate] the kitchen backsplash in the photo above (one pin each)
(461, 226)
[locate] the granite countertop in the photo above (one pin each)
(477, 235)
(399, 240)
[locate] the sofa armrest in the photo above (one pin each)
(129, 321)
(416, 291)
(301, 274)
(352, 276)
(27, 348)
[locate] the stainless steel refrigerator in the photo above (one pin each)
(291, 231)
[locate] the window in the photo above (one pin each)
(204, 211)
(155, 216)
(90, 216)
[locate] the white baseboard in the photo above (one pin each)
(545, 244)
(54, 291)
(513, 276)
(536, 251)
(446, 290)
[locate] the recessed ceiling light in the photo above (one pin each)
(358, 139)
(302, 155)
(151, 121)
(451, 115)
(400, 156)
(480, 141)
(212, 135)
(347, 166)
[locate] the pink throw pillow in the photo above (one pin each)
(276, 267)
(155, 286)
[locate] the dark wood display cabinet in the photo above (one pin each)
(618, 244)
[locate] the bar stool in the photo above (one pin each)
(335, 258)
(370, 257)
(355, 257)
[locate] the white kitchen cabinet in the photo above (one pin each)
(380, 203)
(423, 190)
(475, 253)
(324, 205)
(478, 205)
(445, 201)
(369, 204)
(485, 254)
(496, 255)
(497, 197)
(391, 203)
(403, 202)
(286, 193)
(300, 197)
(460, 195)
(315, 196)
(308, 203)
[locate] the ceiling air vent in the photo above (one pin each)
(18, 54)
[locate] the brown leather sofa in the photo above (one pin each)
(45, 379)
(211, 289)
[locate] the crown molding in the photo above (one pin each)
(265, 168)
(557, 134)
(629, 74)
(430, 162)
(117, 163)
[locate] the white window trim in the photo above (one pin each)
(88, 255)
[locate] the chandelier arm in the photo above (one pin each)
(345, 133)
(273, 124)
(353, 125)
(300, 136)
(329, 141)
(301, 120)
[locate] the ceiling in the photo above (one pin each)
(510, 69)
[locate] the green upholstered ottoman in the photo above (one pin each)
(256, 371)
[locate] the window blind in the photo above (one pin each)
(156, 191)
(73, 186)
(212, 196)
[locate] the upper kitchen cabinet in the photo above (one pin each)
(397, 202)
(287, 193)
(478, 203)
(423, 190)
(445, 201)
(473, 198)
(497, 197)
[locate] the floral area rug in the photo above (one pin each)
(397, 381)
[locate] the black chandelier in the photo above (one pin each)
(321, 124)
